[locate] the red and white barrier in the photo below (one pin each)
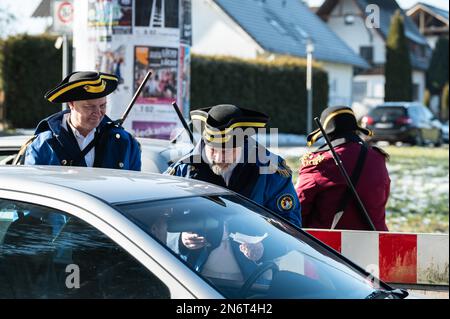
(393, 257)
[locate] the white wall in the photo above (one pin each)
(340, 78)
(432, 39)
(357, 34)
(214, 33)
(419, 78)
(374, 93)
(375, 86)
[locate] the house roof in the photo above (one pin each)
(387, 10)
(437, 12)
(43, 9)
(284, 26)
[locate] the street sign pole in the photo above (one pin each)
(65, 62)
(309, 52)
(62, 24)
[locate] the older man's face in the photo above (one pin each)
(87, 114)
(221, 159)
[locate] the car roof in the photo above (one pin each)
(19, 140)
(110, 185)
(398, 104)
(13, 141)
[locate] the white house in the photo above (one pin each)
(252, 28)
(431, 21)
(364, 26)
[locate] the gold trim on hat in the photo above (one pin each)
(75, 85)
(217, 139)
(233, 126)
(325, 123)
(95, 89)
(228, 129)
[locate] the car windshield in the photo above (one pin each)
(244, 251)
(387, 114)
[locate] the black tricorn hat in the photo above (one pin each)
(337, 120)
(83, 86)
(220, 124)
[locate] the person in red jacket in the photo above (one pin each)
(326, 200)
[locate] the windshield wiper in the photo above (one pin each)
(388, 294)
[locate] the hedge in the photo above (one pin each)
(31, 65)
(277, 88)
(397, 71)
(444, 103)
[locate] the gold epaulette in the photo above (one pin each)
(284, 170)
(19, 156)
(309, 159)
(171, 171)
(382, 152)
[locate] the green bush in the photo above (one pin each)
(437, 74)
(398, 85)
(426, 98)
(444, 103)
(277, 88)
(31, 65)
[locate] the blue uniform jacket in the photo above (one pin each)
(53, 145)
(274, 191)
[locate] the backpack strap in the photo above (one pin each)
(20, 157)
(355, 178)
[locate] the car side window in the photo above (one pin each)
(427, 113)
(45, 253)
(414, 113)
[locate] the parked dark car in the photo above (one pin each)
(445, 131)
(406, 122)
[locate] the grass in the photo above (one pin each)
(419, 199)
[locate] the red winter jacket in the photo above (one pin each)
(320, 188)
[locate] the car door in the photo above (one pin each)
(429, 131)
(49, 253)
(433, 125)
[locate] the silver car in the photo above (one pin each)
(72, 232)
(157, 154)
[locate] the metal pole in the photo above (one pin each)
(309, 49)
(120, 121)
(65, 63)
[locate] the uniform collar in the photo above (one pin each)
(53, 123)
(340, 140)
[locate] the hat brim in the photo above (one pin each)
(317, 134)
(83, 90)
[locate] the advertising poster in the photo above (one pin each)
(184, 83)
(185, 23)
(161, 88)
(128, 38)
(159, 130)
(114, 14)
(159, 18)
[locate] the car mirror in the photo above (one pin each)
(190, 223)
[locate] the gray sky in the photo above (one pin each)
(24, 8)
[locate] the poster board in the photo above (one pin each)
(128, 38)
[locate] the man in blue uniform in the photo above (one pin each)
(83, 135)
(228, 156)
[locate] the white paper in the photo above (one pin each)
(245, 239)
